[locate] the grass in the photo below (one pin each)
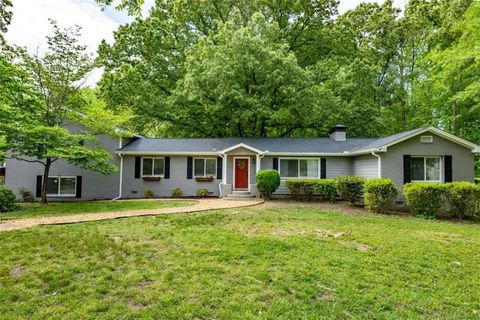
(30, 210)
(285, 261)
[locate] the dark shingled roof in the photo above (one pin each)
(274, 145)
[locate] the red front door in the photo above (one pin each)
(241, 173)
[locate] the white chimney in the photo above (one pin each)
(338, 133)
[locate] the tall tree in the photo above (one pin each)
(41, 98)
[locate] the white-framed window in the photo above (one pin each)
(426, 168)
(205, 167)
(299, 168)
(61, 186)
(153, 167)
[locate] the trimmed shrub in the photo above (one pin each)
(202, 192)
(379, 194)
(7, 200)
(25, 194)
(305, 189)
(267, 182)
(302, 189)
(463, 199)
(148, 194)
(177, 192)
(424, 198)
(327, 189)
(350, 188)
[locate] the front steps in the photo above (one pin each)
(240, 195)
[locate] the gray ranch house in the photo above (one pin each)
(227, 167)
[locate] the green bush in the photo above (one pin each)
(7, 200)
(267, 182)
(25, 194)
(463, 199)
(350, 188)
(424, 198)
(305, 189)
(177, 192)
(202, 192)
(302, 189)
(379, 194)
(327, 189)
(148, 194)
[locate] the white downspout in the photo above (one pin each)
(120, 183)
(224, 174)
(379, 173)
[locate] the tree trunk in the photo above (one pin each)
(46, 172)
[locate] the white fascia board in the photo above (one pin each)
(241, 145)
(166, 153)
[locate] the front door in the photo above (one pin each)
(241, 173)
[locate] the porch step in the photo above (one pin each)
(239, 195)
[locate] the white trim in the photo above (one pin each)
(224, 168)
(153, 167)
(257, 163)
(241, 145)
(319, 161)
(162, 153)
(379, 164)
(205, 167)
(425, 168)
(59, 186)
(241, 157)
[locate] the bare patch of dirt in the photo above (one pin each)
(144, 284)
(325, 297)
(17, 272)
(133, 305)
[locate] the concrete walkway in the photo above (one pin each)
(201, 205)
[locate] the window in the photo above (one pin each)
(153, 167)
(299, 168)
(205, 167)
(425, 169)
(61, 186)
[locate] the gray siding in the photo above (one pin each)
(365, 166)
(21, 174)
(462, 158)
(336, 166)
(134, 188)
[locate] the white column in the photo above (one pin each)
(224, 169)
(258, 163)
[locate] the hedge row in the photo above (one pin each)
(457, 199)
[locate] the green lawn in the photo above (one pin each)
(29, 210)
(283, 262)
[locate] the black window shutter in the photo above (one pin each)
(407, 177)
(189, 167)
(78, 193)
(448, 168)
(323, 168)
(166, 174)
(275, 164)
(219, 167)
(137, 167)
(38, 192)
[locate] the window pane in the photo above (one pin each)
(199, 166)
(52, 186)
(67, 186)
(147, 167)
(158, 167)
(417, 168)
(211, 167)
(309, 168)
(289, 168)
(433, 169)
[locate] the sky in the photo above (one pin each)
(30, 22)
